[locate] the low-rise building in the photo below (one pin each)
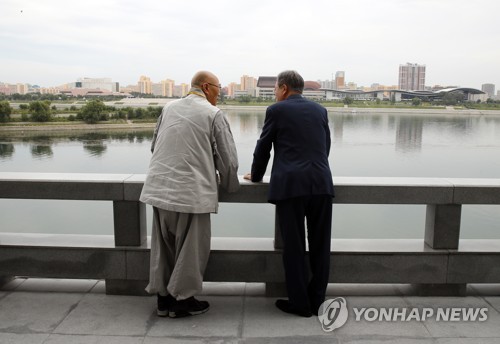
(265, 86)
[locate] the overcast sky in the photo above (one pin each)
(52, 42)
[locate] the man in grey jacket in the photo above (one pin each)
(193, 152)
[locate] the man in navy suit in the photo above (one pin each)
(301, 187)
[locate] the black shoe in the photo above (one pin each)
(164, 304)
(286, 307)
(187, 307)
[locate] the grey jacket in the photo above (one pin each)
(191, 143)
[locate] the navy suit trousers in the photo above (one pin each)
(306, 283)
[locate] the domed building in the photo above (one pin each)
(265, 88)
(312, 90)
(311, 86)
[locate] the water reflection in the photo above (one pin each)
(6, 150)
(95, 149)
(363, 144)
(94, 143)
(338, 128)
(41, 151)
(409, 134)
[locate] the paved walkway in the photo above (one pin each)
(46, 311)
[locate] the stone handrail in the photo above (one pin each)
(437, 266)
(444, 198)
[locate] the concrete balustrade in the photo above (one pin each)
(440, 263)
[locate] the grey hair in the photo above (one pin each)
(292, 79)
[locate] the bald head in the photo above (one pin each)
(203, 76)
(208, 83)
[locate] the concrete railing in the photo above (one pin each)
(438, 262)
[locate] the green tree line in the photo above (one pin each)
(94, 111)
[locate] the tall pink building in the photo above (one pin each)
(411, 77)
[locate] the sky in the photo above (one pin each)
(53, 42)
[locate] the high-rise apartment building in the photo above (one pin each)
(185, 89)
(181, 90)
(351, 86)
(411, 77)
(144, 85)
(248, 84)
(329, 84)
(156, 89)
(232, 88)
(9, 89)
(340, 80)
(168, 88)
(489, 89)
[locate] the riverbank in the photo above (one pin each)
(60, 126)
(63, 126)
(441, 111)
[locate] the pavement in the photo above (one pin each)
(43, 311)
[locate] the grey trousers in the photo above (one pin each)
(180, 247)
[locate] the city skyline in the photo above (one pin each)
(248, 85)
(53, 42)
(336, 84)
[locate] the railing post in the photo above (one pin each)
(442, 225)
(276, 289)
(442, 231)
(129, 219)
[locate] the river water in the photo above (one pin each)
(363, 144)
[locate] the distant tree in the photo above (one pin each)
(348, 100)
(5, 111)
(453, 98)
(40, 111)
(130, 113)
(153, 111)
(121, 114)
(244, 99)
(139, 113)
(93, 111)
(416, 101)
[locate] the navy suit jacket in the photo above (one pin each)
(298, 129)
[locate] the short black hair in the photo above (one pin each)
(292, 79)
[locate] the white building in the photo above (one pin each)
(265, 86)
(489, 89)
(96, 84)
